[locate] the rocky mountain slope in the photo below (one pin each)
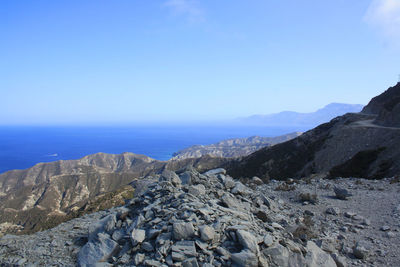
(49, 193)
(386, 106)
(353, 145)
(210, 219)
(236, 147)
(312, 119)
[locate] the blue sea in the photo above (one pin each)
(23, 147)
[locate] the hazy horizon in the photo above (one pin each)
(238, 121)
(179, 61)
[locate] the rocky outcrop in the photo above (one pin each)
(47, 194)
(352, 145)
(167, 224)
(233, 147)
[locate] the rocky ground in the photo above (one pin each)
(212, 220)
(369, 218)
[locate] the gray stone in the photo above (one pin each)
(247, 240)
(147, 246)
(240, 189)
(278, 254)
(186, 178)
(137, 236)
(231, 202)
(102, 264)
(182, 230)
(342, 193)
(192, 262)
(390, 234)
(197, 190)
(332, 211)
(339, 260)
(172, 177)
(118, 235)
(308, 213)
(106, 224)
(215, 172)
(229, 183)
(277, 226)
(385, 228)
(138, 258)
(360, 251)
(349, 214)
(366, 222)
(226, 255)
(141, 186)
(152, 233)
(316, 257)
(207, 233)
(182, 250)
(245, 258)
(263, 215)
(256, 180)
(268, 240)
(96, 251)
(152, 263)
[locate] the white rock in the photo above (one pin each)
(247, 240)
(137, 236)
(207, 233)
(316, 257)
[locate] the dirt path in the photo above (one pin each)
(370, 124)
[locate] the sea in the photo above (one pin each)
(24, 146)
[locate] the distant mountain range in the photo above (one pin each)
(312, 119)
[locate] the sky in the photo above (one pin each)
(133, 61)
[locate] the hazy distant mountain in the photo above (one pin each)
(291, 118)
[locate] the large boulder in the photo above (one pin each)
(247, 240)
(342, 193)
(245, 258)
(96, 251)
(316, 257)
(137, 236)
(182, 230)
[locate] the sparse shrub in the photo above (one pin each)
(395, 180)
(305, 231)
(358, 182)
(308, 180)
(285, 187)
(326, 186)
(312, 198)
(290, 181)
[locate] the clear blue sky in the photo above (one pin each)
(74, 62)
